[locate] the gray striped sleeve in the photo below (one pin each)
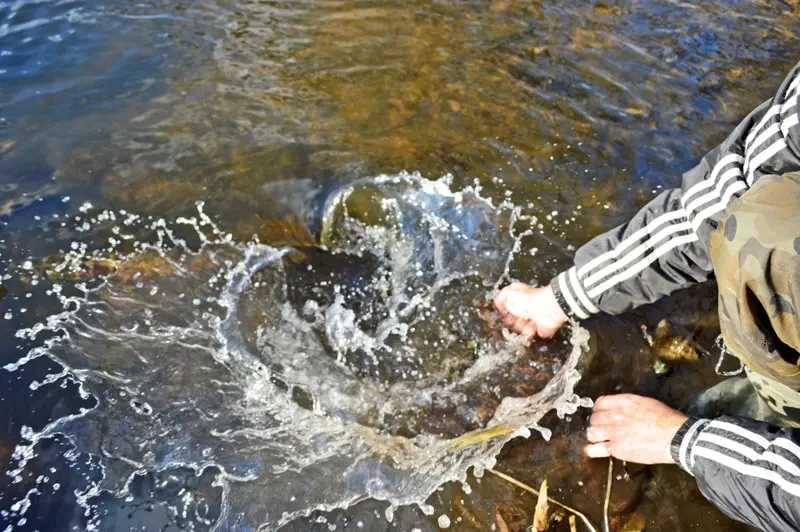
(663, 248)
(748, 469)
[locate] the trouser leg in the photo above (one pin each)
(752, 396)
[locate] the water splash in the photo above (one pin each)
(311, 377)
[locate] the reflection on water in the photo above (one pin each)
(267, 111)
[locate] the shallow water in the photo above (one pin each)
(267, 112)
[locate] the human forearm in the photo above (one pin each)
(749, 469)
(664, 247)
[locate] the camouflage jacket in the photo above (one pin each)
(737, 217)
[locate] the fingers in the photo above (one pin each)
(613, 402)
(605, 417)
(501, 299)
(519, 325)
(613, 409)
(597, 450)
(500, 303)
(512, 305)
(518, 303)
(524, 327)
(597, 434)
(529, 330)
(509, 320)
(545, 332)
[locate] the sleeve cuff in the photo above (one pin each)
(571, 295)
(684, 440)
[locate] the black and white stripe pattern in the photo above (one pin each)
(573, 292)
(748, 453)
(687, 443)
(769, 137)
(731, 175)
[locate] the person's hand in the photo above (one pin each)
(533, 312)
(632, 428)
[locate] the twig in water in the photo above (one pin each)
(535, 492)
(606, 525)
(540, 513)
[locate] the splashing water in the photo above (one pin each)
(311, 377)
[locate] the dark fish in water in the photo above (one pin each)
(26, 199)
(289, 232)
(480, 436)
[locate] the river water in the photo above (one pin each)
(246, 249)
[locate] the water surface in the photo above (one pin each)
(266, 111)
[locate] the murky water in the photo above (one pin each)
(248, 376)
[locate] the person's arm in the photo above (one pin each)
(749, 470)
(664, 247)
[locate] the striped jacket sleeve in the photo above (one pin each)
(748, 469)
(664, 247)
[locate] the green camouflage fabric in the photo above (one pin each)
(756, 256)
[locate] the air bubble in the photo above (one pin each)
(141, 407)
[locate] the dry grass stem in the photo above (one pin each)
(540, 513)
(609, 482)
(573, 524)
(519, 484)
